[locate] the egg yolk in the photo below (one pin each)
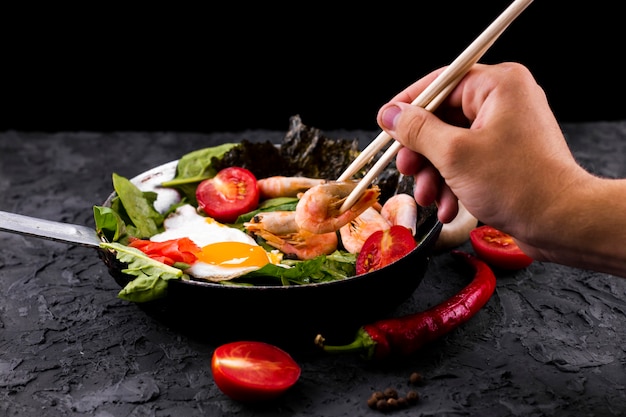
(233, 254)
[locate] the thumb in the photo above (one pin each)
(419, 130)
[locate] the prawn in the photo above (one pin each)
(355, 233)
(401, 209)
(279, 229)
(301, 244)
(276, 222)
(280, 186)
(319, 208)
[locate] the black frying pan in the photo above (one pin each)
(288, 316)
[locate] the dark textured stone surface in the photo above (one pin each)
(548, 343)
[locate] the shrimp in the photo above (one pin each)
(318, 210)
(276, 222)
(302, 244)
(279, 229)
(401, 209)
(355, 233)
(279, 186)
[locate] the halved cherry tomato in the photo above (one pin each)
(498, 248)
(384, 247)
(170, 251)
(232, 192)
(253, 371)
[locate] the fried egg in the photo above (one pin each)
(226, 252)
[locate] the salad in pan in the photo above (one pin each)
(258, 214)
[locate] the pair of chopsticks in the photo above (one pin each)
(429, 99)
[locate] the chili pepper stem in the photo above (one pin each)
(362, 344)
(354, 346)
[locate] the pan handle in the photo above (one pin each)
(47, 229)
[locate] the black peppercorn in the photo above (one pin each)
(403, 402)
(382, 405)
(371, 402)
(392, 403)
(415, 378)
(412, 397)
(390, 393)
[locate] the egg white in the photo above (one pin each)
(216, 272)
(202, 230)
(186, 222)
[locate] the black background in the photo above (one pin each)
(232, 68)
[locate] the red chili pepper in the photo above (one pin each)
(405, 335)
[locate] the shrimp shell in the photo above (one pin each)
(303, 245)
(319, 208)
(401, 209)
(280, 186)
(355, 233)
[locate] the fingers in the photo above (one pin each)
(426, 186)
(447, 205)
(418, 130)
(409, 162)
(429, 187)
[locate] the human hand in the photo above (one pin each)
(493, 144)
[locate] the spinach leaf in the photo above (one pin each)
(138, 206)
(195, 167)
(109, 223)
(336, 266)
(152, 276)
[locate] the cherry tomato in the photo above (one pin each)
(232, 192)
(498, 249)
(384, 247)
(253, 371)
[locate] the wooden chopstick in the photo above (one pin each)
(381, 141)
(430, 99)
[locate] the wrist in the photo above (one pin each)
(585, 226)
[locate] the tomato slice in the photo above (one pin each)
(384, 247)
(253, 371)
(170, 251)
(232, 192)
(498, 248)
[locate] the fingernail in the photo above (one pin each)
(390, 116)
